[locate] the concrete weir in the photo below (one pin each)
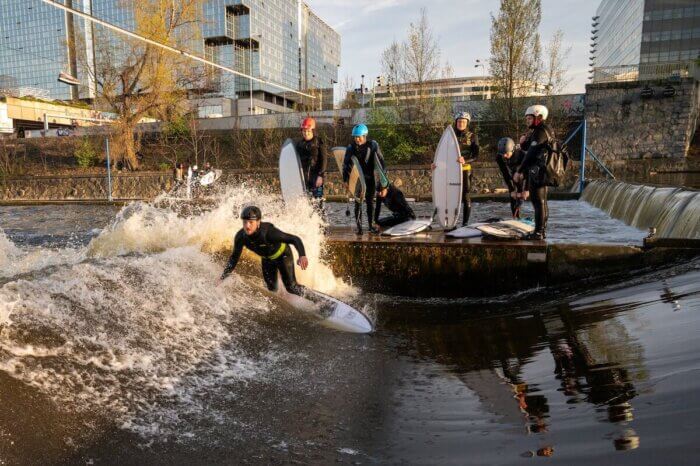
(431, 265)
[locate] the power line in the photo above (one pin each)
(169, 48)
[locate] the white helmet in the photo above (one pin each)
(536, 110)
(463, 116)
(195, 167)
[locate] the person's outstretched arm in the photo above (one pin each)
(505, 173)
(380, 156)
(235, 255)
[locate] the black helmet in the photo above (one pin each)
(505, 145)
(251, 213)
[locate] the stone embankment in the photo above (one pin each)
(415, 181)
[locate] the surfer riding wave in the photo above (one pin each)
(272, 245)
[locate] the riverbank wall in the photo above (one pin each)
(415, 181)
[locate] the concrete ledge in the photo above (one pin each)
(431, 265)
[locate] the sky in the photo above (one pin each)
(462, 28)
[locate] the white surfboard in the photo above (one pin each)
(339, 156)
(291, 176)
(356, 184)
(331, 312)
(508, 229)
(410, 227)
(210, 177)
(447, 179)
(469, 231)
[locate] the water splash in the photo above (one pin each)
(153, 227)
(16, 261)
(136, 324)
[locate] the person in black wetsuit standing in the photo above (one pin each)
(312, 154)
(393, 198)
(469, 152)
(366, 151)
(272, 245)
(509, 157)
(533, 168)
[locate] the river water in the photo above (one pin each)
(118, 346)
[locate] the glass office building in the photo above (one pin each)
(281, 41)
(671, 31)
(34, 47)
(617, 32)
(641, 32)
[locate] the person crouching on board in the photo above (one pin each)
(509, 157)
(312, 154)
(393, 198)
(272, 245)
(367, 152)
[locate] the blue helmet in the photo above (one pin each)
(360, 130)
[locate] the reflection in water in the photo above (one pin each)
(593, 357)
(628, 440)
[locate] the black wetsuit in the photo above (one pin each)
(533, 168)
(272, 245)
(314, 161)
(396, 202)
(508, 168)
(365, 155)
(469, 150)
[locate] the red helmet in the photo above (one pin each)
(308, 123)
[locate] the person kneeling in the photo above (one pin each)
(272, 245)
(393, 198)
(509, 157)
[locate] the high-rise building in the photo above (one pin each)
(281, 41)
(636, 35)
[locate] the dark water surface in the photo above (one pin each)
(137, 358)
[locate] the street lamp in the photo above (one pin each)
(479, 63)
(362, 90)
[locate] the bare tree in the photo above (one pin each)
(393, 65)
(347, 89)
(556, 56)
(515, 62)
(421, 54)
(137, 80)
(410, 64)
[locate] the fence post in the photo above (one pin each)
(582, 173)
(109, 171)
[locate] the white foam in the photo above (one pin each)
(16, 261)
(138, 316)
(152, 227)
(117, 334)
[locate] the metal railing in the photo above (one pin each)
(646, 72)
